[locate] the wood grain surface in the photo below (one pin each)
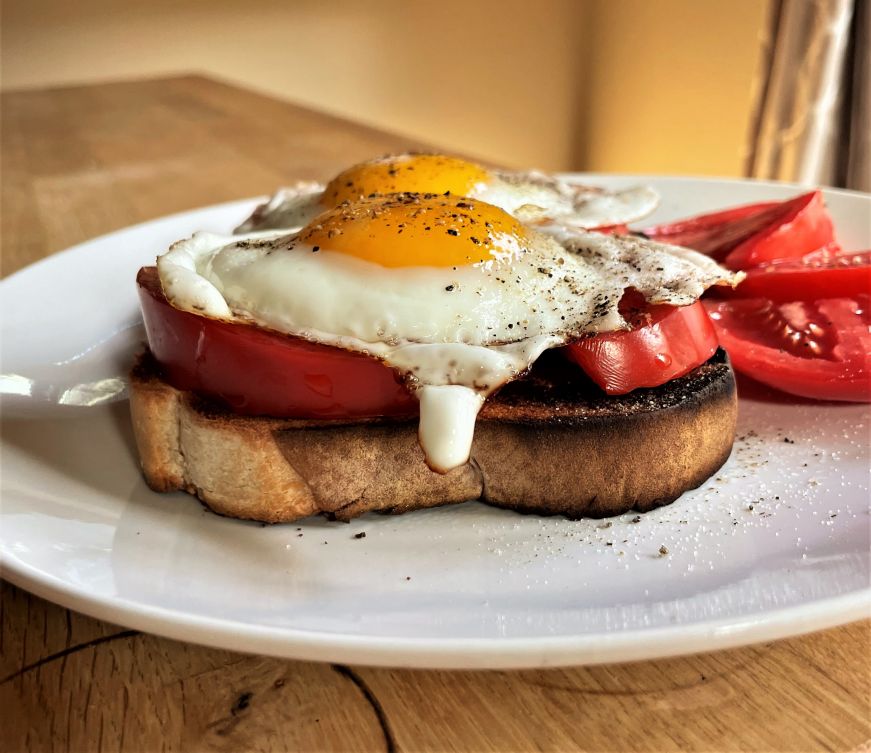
(78, 162)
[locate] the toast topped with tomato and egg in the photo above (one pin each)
(422, 331)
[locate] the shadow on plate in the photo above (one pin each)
(90, 445)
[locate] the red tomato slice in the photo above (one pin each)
(717, 233)
(820, 350)
(259, 372)
(665, 342)
(611, 229)
(816, 275)
(756, 233)
(805, 226)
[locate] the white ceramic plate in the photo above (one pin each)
(461, 586)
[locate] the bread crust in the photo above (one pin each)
(541, 446)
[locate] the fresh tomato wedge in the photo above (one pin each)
(717, 233)
(816, 275)
(820, 350)
(756, 233)
(256, 371)
(665, 342)
(803, 227)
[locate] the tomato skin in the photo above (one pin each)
(805, 226)
(820, 349)
(814, 276)
(671, 342)
(259, 372)
(754, 234)
(715, 234)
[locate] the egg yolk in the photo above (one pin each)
(418, 230)
(418, 173)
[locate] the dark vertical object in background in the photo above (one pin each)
(857, 157)
(811, 118)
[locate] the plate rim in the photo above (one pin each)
(429, 652)
(451, 653)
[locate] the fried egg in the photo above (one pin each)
(532, 197)
(455, 294)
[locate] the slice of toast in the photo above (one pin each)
(547, 444)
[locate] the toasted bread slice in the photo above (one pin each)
(548, 444)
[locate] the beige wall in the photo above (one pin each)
(561, 84)
(670, 85)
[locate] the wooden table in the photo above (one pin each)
(82, 161)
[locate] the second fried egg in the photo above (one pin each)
(532, 197)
